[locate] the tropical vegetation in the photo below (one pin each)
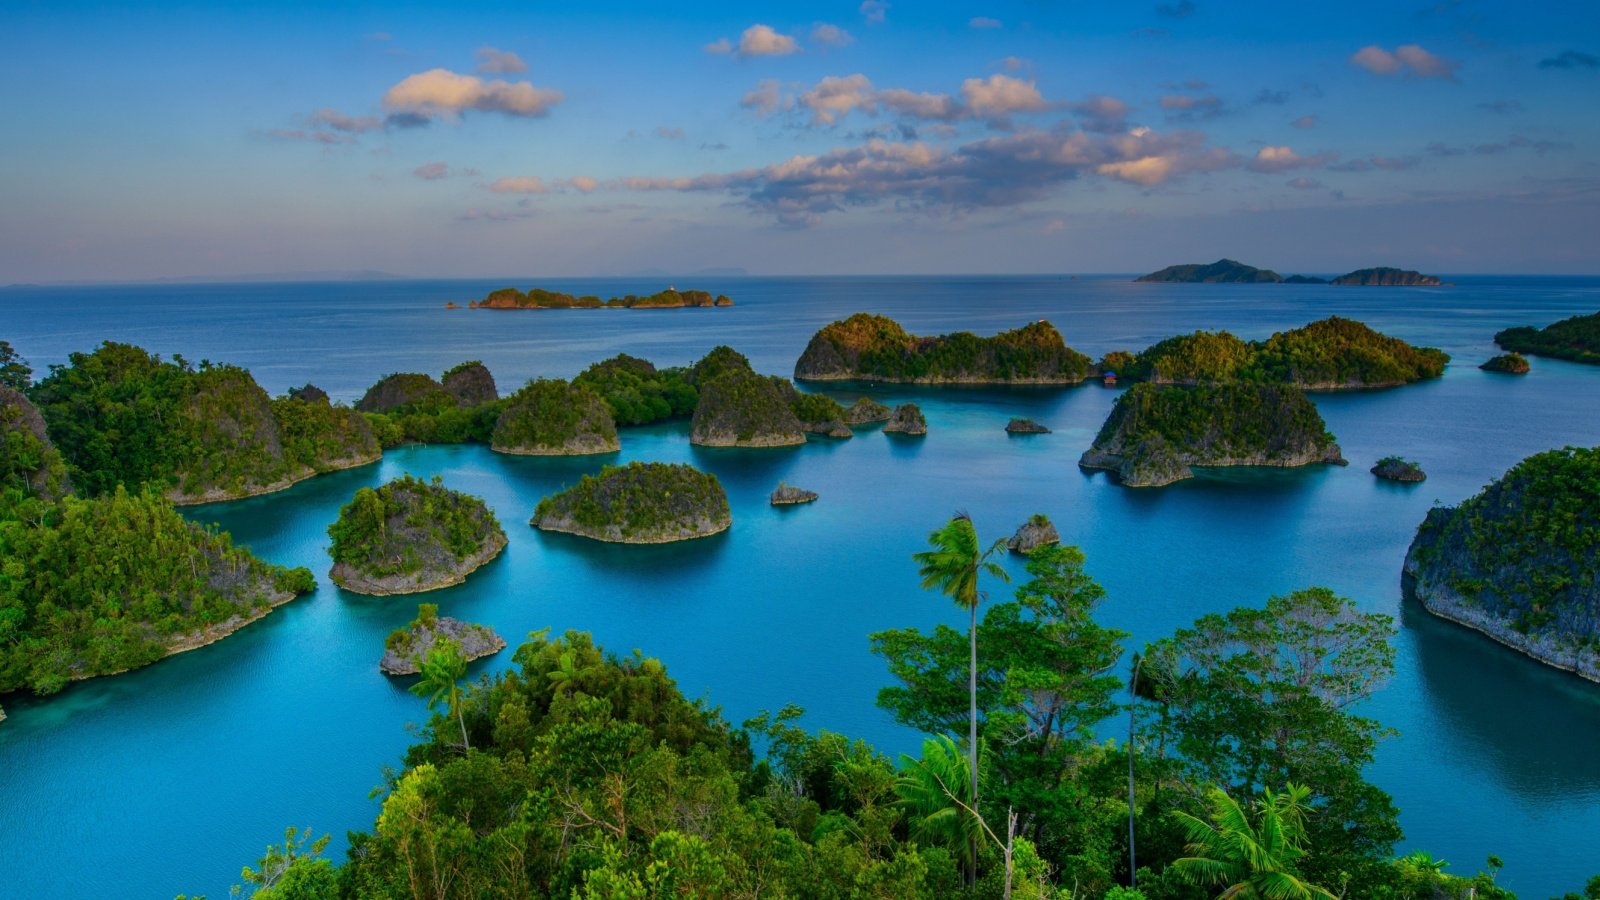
(410, 527)
(638, 503)
(1577, 339)
(540, 298)
(876, 348)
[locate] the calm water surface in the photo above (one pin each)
(170, 778)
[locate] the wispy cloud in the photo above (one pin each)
(1180, 10)
(669, 133)
(993, 99)
(984, 23)
(1304, 123)
(1283, 159)
(1191, 107)
(1571, 59)
(523, 184)
(441, 93)
(1410, 60)
(499, 62)
(874, 11)
(826, 35)
(1501, 107)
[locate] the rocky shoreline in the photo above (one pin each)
(351, 579)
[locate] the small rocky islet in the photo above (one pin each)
(406, 648)
(1507, 364)
(1395, 468)
(1025, 426)
(789, 495)
(1517, 562)
(640, 503)
(410, 536)
(1036, 532)
(1157, 434)
(907, 420)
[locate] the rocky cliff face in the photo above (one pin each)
(1155, 434)
(908, 420)
(865, 410)
(739, 408)
(404, 390)
(1036, 532)
(471, 384)
(1520, 562)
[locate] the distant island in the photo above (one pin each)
(405, 648)
(409, 536)
(1156, 434)
(1229, 271)
(1507, 364)
(1517, 561)
(867, 347)
(539, 298)
(1331, 354)
(1576, 339)
(640, 503)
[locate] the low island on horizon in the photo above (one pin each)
(1229, 271)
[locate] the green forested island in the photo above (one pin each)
(1228, 271)
(1156, 433)
(1330, 354)
(866, 347)
(1507, 364)
(1577, 339)
(1520, 561)
(640, 503)
(1396, 468)
(739, 408)
(411, 535)
(551, 417)
(639, 393)
(539, 298)
(406, 648)
(121, 416)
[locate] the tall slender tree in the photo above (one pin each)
(442, 670)
(953, 566)
(1250, 857)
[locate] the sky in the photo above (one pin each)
(150, 140)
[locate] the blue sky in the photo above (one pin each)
(150, 140)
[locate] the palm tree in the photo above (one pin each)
(935, 792)
(564, 678)
(1256, 860)
(953, 566)
(442, 670)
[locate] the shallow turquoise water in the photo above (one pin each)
(170, 778)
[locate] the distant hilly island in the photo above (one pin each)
(1228, 271)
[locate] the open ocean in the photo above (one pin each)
(170, 778)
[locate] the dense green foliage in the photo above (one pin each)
(741, 408)
(409, 525)
(551, 416)
(1526, 549)
(1215, 423)
(817, 409)
(95, 586)
(121, 416)
(539, 298)
(32, 472)
(720, 360)
(876, 348)
(1577, 339)
(15, 373)
(637, 392)
(1330, 353)
(638, 502)
(405, 392)
(1508, 363)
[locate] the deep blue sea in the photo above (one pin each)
(170, 778)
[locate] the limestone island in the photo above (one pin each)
(874, 348)
(551, 417)
(907, 420)
(789, 495)
(1393, 468)
(191, 585)
(404, 391)
(1025, 426)
(740, 408)
(1517, 561)
(1036, 532)
(820, 414)
(640, 503)
(1576, 339)
(538, 298)
(1155, 434)
(1328, 355)
(1507, 364)
(866, 410)
(1229, 271)
(199, 434)
(410, 536)
(470, 383)
(405, 648)
(1386, 276)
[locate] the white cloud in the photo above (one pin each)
(835, 97)
(830, 35)
(762, 40)
(499, 62)
(440, 92)
(938, 107)
(764, 98)
(1001, 95)
(1273, 159)
(983, 23)
(1408, 59)
(991, 99)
